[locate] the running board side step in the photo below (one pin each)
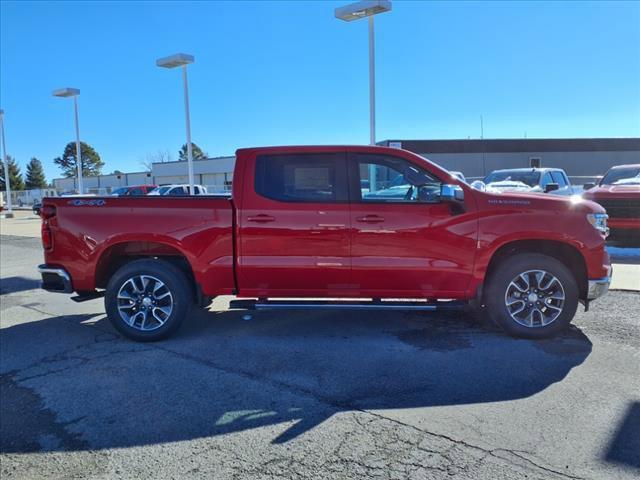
(345, 305)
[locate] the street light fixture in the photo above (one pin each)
(5, 159)
(74, 92)
(356, 11)
(182, 60)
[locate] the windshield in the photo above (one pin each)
(528, 178)
(627, 176)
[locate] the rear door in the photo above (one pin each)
(405, 242)
(294, 225)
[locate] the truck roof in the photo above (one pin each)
(318, 148)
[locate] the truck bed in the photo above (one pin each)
(88, 232)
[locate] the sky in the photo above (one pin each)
(281, 73)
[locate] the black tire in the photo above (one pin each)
(509, 269)
(175, 282)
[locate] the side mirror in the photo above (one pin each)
(551, 187)
(451, 193)
(588, 186)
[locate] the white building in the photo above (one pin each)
(582, 158)
(214, 173)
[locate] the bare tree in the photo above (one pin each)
(160, 156)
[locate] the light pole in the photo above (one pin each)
(349, 13)
(182, 60)
(7, 181)
(74, 92)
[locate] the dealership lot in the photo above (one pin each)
(311, 394)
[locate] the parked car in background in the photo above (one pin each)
(133, 190)
(619, 193)
(529, 180)
(177, 190)
(37, 205)
(298, 227)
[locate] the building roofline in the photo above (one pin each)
(225, 157)
(510, 145)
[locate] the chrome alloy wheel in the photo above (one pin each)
(534, 298)
(144, 303)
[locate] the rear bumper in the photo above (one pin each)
(598, 287)
(55, 279)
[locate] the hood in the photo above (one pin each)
(508, 186)
(532, 200)
(613, 191)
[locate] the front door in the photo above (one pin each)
(405, 242)
(294, 225)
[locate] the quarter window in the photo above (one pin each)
(302, 178)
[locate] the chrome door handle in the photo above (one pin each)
(262, 218)
(370, 219)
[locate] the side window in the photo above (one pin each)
(391, 179)
(136, 191)
(302, 177)
(545, 180)
(178, 192)
(558, 177)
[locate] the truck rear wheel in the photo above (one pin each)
(147, 300)
(532, 295)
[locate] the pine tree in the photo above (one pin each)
(15, 177)
(35, 175)
(196, 152)
(91, 162)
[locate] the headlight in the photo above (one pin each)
(599, 222)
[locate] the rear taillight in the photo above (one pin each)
(47, 237)
(47, 212)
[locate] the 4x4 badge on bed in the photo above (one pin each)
(90, 203)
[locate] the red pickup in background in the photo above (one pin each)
(619, 193)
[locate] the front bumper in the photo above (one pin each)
(55, 279)
(597, 288)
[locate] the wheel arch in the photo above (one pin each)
(119, 254)
(564, 252)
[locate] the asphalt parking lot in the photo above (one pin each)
(311, 394)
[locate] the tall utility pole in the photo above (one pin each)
(5, 159)
(484, 160)
(66, 93)
(182, 60)
(355, 11)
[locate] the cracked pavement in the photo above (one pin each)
(310, 394)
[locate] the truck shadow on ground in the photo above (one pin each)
(17, 284)
(70, 385)
(625, 445)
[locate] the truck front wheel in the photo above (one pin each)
(147, 300)
(531, 295)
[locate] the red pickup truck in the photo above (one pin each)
(619, 193)
(339, 224)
